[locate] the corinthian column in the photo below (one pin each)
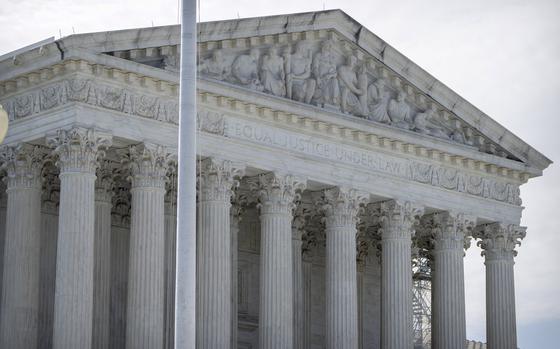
(144, 318)
(20, 301)
(341, 208)
(298, 224)
(214, 254)
(498, 242)
(170, 255)
(102, 256)
(397, 220)
(78, 151)
(236, 212)
(276, 195)
(448, 231)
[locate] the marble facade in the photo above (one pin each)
(328, 162)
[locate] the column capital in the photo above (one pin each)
(448, 229)
(50, 196)
(148, 163)
(398, 218)
(342, 205)
(22, 163)
(277, 192)
(170, 198)
(299, 222)
(104, 183)
(217, 178)
(498, 240)
(79, 148)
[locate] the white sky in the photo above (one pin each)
(503, 56)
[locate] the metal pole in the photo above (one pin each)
(185, 296)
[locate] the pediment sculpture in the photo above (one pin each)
(330, 74)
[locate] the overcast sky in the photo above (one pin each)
(503, 56)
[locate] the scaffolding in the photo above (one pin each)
(422, 303)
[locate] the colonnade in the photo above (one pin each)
(83, 248)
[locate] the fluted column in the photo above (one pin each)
(20, 296)
(236, 212)
(276, 201)
(170, 254)
(102, 256)
(397, 228)
(214, 254)
(144, 321)
(78, 151)
(498, 242)
(298, 223)
(341, 208)
(449, 233)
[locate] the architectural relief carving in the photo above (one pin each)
(93, 93)
(148, 165)
(22, 164)
(446, 230)
(210, 122)
(79, 149)
(341, 206)
(331, 74)
(218, 178)
(277, 192)
(398, 218)
(498, 240)
(104, 182)
(50, 196)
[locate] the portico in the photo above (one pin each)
(329, 161)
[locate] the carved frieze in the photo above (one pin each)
(93, 93)
(333, 74)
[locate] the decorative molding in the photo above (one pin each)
(95, 93)
(499, 240)
(427, 172)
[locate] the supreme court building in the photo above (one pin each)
(329, 166)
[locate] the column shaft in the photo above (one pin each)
(170, 253)
(498, 242)
(276, 195)
(307, 303)
(500, 304)
(20, 297)
(214, 254)
(397, 219)
(102, 260)
(298, 285)
(73, 307)
(448, 308)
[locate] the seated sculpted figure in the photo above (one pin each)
(428, 123)
(352, 87)
(399, 111)
(214, 66)
(378, 100)
(272, 73)
(300, 86)
(324, 70)
(245, 70)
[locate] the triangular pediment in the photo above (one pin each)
(328, 61)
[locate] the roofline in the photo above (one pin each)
(336, 20)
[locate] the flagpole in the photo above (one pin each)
(185, 296)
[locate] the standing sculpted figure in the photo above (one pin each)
(399, 111)
(428, 123)
(273, 74)
(300, 86)
(324, 70)
(378, 98)
(352, 87)
(215, 66)
(245, 70)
